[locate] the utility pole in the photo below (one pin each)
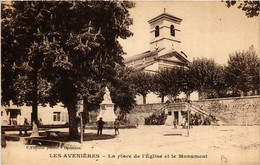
(188, 113)
(81, 127)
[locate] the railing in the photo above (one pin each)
(207, 112)
(162, 109)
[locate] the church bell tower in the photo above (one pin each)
(165, 32)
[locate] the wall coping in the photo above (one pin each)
(215, 99)
(228, 98)
(150, 104)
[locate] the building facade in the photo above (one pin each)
(13, 115)
(165, 46)
(165, 51)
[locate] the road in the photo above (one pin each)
(148, 145)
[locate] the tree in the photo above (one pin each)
(122, 91)
(23, 57)
(174, 77)
(70, 43)
(8, 73)
(242, 71)
(203, 70)
(161, 84)
(251, 8)
(219, 82)
(166, 82)
(143, 83)
(186, 82)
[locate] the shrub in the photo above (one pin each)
(156, 119)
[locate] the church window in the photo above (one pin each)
(172, 30)
(157, 32)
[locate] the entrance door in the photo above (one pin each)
(176, 117)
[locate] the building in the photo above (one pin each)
(165, 46)
(13, 115)
(165, 51)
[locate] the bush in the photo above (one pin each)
(155, 119)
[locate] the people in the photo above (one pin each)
(40, 121)
(26, 122)
(3, 139)
(175, 123)
(116, 126)
(100, 124)
(184, 123)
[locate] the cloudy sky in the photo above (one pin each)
(209, 29)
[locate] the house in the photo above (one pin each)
(15, 115)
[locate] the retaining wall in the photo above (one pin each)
(233, 110)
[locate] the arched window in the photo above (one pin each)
(172, 30)
(157, 32)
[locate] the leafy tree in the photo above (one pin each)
(256, 79)
(186, 82)
(166, 82)
(203, 70)
(67, 44)
(23, 56)
(143, 83)
(161, 84)
(174, 77)
(8, 72)
(122, 91)
(219, 82)
(242, 71)
(250, 7)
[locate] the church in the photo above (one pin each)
(165, 51)
(165, 46)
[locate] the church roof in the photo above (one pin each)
(165, 16)
(172, 57)
(179, 57)
(142, 55)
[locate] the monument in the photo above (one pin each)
(107, 108)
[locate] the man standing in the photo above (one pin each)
(100, 124)
(116, 126)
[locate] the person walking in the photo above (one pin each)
(116, 126)
(100, 124)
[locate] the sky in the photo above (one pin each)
(209, 29)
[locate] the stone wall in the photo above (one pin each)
(232, 111)
(140, 112)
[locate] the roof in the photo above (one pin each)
(165, 57)
(177, 55)
(142, 55)
(165, 16)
